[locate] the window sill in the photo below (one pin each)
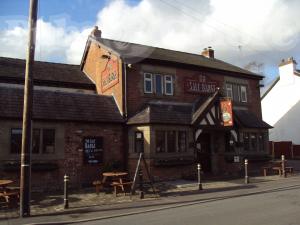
(178, 161)
(35, 167)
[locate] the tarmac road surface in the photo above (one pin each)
(278, 207)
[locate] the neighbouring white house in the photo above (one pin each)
(281, 104)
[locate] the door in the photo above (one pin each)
(204, 151)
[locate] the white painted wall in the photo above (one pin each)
(280, 106)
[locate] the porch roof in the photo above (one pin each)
(247, 119)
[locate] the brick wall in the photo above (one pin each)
(72, 163)
(135, 86)
(94, 66)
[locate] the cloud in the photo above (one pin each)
(239, 31)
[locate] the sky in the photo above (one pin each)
(242, 32)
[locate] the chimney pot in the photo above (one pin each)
(208, 52)
(96, 32)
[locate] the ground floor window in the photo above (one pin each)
(43, 141)
(230, 142)
(171, 141)
(254, 141)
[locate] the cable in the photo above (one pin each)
(232, 27)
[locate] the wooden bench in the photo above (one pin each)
(277, 167)
(266, 169)
(98, 184)
(122, 186)
(288, 169)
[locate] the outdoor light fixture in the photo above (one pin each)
(105, 56)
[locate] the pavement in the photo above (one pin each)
(85, 205)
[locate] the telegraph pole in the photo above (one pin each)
(27, 114)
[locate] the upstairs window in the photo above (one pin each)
(236, 92)
(229, 92)
(148, 86)
(158, 84)
(168, 85)
(243, 94)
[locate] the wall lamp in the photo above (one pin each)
(105, 56)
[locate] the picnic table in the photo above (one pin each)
(114, 179)
(10, 196)
(277, 166)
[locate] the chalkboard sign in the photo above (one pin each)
(93, 150)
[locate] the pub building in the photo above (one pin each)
(175, 107)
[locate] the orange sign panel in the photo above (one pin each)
(226, 112)
(110, 75)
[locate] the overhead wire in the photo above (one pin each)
(239, 46)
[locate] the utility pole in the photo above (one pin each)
(27, 114)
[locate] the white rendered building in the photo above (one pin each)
(281, 104)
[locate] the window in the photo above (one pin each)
(171, 141)
(237, 92)
(243, 94)
(159, 84)
(16, 141)
(148, 87)
(36, 140)
(254, 141)
(182, 141)
(246, 142)
(160, 141)
(48, 141)
(261, 139)
(230, 142)
(139, 142)
(229, 92)
(168, 85)
(43, 141)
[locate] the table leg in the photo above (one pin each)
(121, 182)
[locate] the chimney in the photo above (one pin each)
(96, 32)
(287, 69)
(208, 52)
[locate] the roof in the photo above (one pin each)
(131, 52)
(158, 112)
(270, 88)
(164, 112)
(51, 105)
(56, 74)
(248, 119)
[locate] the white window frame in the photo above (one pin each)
(146, 79)
(229, 88)
(162, 83)
(168, 82)
(243, 89)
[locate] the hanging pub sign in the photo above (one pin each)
(93, 150)
(226, 112)
(110, 75)
(199, 86)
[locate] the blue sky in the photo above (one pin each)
(240, 31)
(79, 12)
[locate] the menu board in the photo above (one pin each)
(93, 150)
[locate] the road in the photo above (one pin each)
(277, 207)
